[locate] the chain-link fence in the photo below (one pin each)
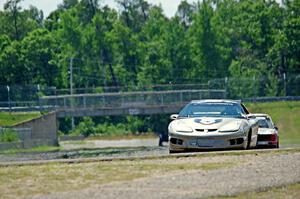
(235, 88)
(239, 88)
(130, 99)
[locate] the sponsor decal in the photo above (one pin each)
(208, 121)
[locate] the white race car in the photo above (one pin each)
(267, 131)
(212, 124)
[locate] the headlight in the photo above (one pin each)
(184, 129)
(229, 131)
(180, 128)
(231, 127)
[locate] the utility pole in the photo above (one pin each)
(71, 76)
(226, 87)
(104, 75)
(38, 97)
(71, 90)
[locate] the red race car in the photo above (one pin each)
(267, 132)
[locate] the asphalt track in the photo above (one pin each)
(112, 150)
(161, 153)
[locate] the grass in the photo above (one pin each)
(39, 149)
(290, 191)
(216, 165)
(53, 178)
(123, 137)
(75, 153)
(11, 119)
(75, 142)
(286, 117)
(59, 177)
(8, 135)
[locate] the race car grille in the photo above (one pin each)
(236, 141)
(208, 130)
(176, 141)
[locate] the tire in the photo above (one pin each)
(249, 140)
(276, 146)
(172, 152)
(160, 142)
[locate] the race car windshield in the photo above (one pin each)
(264, 123)
(212, 110)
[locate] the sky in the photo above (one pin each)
(169, 6)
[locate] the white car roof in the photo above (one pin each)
(216, 101)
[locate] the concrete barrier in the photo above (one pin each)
(43, 128)
(43, 133)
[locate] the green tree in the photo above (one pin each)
(203, 40)
(13, 70)
(177, 51)
(292, 34)
(38, 49)
(156, 69)
(134, 13)
(67, 4)
(185, 13)
(126, 53)
(13, 11)
(87, 9)
(16, 22)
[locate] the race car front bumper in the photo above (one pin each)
(183, 141)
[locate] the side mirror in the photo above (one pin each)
(174, 116)
(249, 116)
(276, 128)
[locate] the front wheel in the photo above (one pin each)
(248, 145)
(172, 152)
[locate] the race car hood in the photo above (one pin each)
(209, 123)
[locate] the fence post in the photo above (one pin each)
(226, 86)
(8, 96)
(122, 100)
(181, 98)
(254, 87)
(71, 90)
(55, 93)
(103, 101)
(38, 95)
(65, 105)
(84, 101)
(284, 83)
